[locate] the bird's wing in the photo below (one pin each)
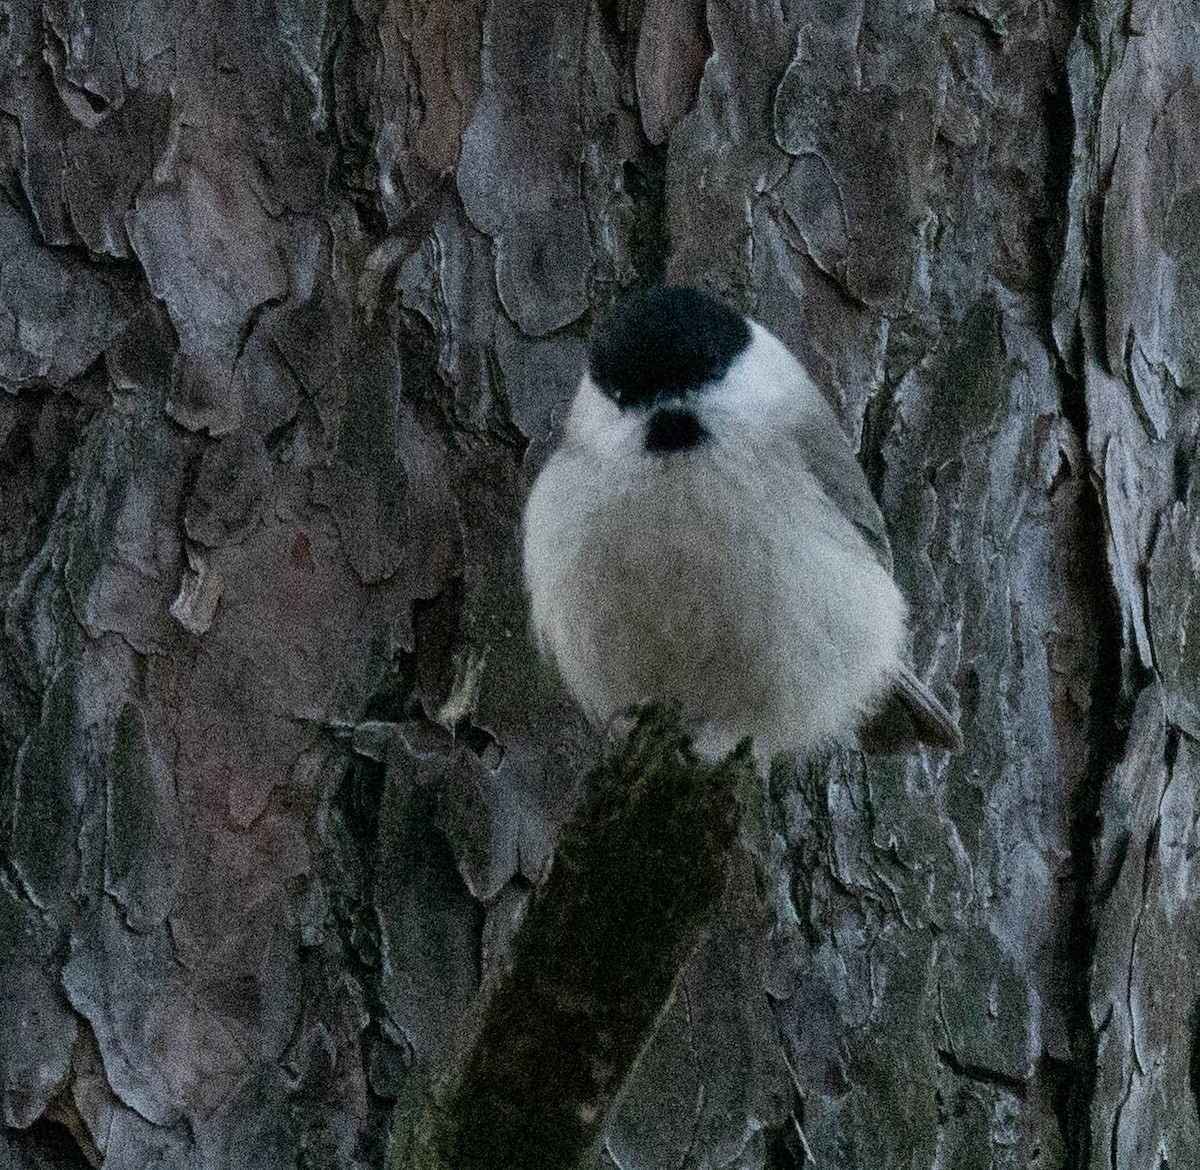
(910, 713)
(832, 463)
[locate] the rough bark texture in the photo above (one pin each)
(292, 296)
(638, 873)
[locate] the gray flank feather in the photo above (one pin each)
(833, 464)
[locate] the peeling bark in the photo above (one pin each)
(292, 299)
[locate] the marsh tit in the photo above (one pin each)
(705, 535)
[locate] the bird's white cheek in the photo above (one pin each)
(612, 435)
(599, 426)
(624, 439)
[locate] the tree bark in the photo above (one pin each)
(292, 298)
(556, 1034)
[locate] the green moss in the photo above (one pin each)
(51, 792)
(516, 679)
(971, 389)
(1182, 243)
(131, 796)
(636, 877)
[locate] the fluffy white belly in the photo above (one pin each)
(741, 595)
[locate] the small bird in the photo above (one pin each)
(704, 535)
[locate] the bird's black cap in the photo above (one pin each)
(664, 342)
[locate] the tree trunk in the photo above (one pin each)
(292, 297)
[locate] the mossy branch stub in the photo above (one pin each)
(636, 877)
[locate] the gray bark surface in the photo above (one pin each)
(292, 298)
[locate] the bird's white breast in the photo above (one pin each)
(722, 578)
